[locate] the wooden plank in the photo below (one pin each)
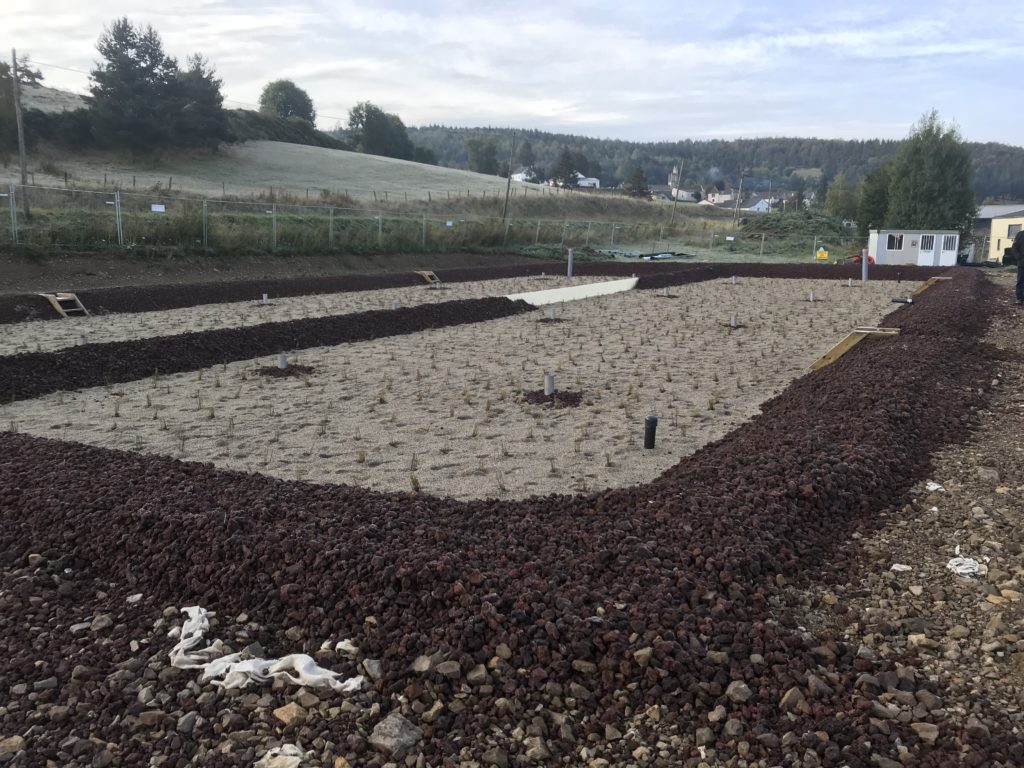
(838, 350)
(428, 277)
(849, 342)
(930, 282)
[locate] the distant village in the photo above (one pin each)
(711, 197)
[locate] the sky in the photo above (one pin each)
(641, 71)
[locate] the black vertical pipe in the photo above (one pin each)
(650, 428)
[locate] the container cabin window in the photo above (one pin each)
(949, 242)
(895, 243)
(927, 242)
(1012, 230)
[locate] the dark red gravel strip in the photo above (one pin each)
(567, 399)
(33, 374)
(29, 306)
(685, 565)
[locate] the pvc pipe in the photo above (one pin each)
(733, 281)
(568, 272)
(650, 430)
(732, 321)
(265, 298)
(549, 384)
(810, 297)
(282, 360)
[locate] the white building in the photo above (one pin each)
(587, 182)
(757, 205)
(925, 248)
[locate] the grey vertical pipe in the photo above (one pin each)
(282, 360)
(206, 239)
(14, 214)
(549, 384)
(650, 431)
(568, 271)
(264, 300)
(273, 226)
(507, 225)
(864, 266)
(732, 321)
(117, 217)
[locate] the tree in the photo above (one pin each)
(930, 185)
(874, 200)
(424, 155)
(132, 88)
(376, 132)
(200, 117)
(841, 198)
(526, 156)
(283, 98)
(483, 156)
(821, 193)
(564, 172)
(637, 186)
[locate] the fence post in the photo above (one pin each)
(613, 234)
(14, 214)
(273, 226)
(330, 227)
(206, 238)
(117, 217)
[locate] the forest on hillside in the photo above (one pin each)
(786, 163)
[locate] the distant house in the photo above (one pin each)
(757, 205)
(587, 182)
(720, 198)
(526, 175)
(683, 196)
(925, 248)
(995, 226)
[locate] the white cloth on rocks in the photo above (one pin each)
(230, 671)
(285, 756)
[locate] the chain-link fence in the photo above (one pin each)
(89, 220)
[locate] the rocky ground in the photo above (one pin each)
(740, 610)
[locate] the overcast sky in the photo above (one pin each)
(643, 71)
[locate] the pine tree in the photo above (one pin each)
(930, 185)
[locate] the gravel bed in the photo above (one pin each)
(632, 627)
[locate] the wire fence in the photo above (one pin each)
(74, 219)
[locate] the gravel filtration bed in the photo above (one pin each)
(632, 627)
(32, 374)
(20, 307)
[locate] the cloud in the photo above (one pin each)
(646, 70)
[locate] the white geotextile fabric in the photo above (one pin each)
(230, 671)
(285, 756)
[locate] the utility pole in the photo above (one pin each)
(736, 208)
(678, 188)
(21, 130)
(508, 181)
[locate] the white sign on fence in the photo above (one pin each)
(158, 208)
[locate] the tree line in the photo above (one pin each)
(793, 164)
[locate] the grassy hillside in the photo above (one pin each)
(254, 167)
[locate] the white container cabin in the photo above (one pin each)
(923, 247)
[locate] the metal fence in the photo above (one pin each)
(92, 220)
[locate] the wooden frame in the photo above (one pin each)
(852, 339)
